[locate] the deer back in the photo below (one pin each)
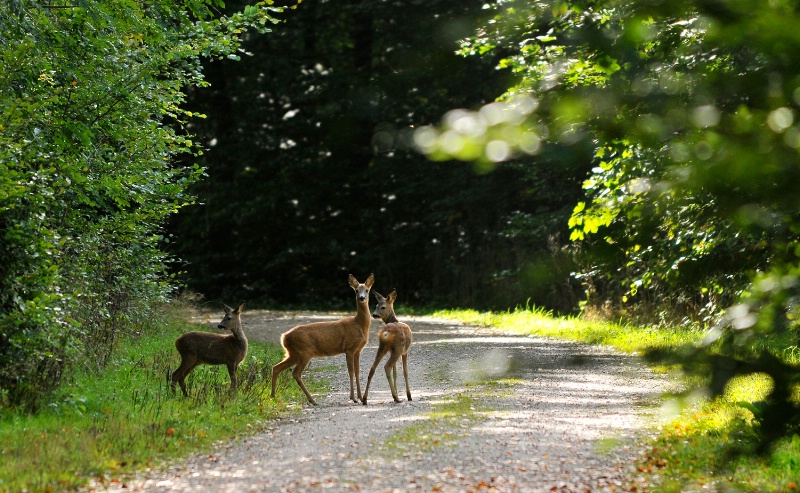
(217, 349)
(205, 347)
(324, 338)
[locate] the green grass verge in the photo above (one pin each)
(101, 427)
(540, 322)
(694, 451)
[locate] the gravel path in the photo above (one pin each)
(547, 415)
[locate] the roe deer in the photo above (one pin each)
(348, 335)
(394, 338)
(206, 348)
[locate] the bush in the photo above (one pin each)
(91, 122)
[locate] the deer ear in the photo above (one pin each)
(353, 281)
(240, 307)
(378, 297)
(227, 308)
(392, 296)
(369, 281)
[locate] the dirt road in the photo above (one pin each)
(491, 412)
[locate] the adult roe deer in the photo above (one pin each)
(348, 335)
(207, 348)
(395, 338)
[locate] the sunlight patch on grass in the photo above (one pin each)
(536, 321)
(750, 388)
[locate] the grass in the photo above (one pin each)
(101, 427)
(446, 422)
(709, 445)
(540, 322)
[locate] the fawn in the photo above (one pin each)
(348, 335)
(394, 338)
(198, 348)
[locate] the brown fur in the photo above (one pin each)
(394, 338)
(206, 348)
(348, 335)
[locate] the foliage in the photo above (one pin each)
(312, 177)
(690, 107)
(91, 120)
(644, 86)
(693, 451)
(100, 427)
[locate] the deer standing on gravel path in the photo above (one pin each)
(207, 348)
(394, 338)
(348, 335)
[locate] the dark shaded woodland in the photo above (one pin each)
(311, 175)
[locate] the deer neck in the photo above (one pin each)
(363, 317)
(238, 334)
(390, 318)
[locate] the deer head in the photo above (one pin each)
(362, 290)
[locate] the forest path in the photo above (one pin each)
(534, 415)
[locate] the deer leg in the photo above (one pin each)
(357, 369)
(232, 374)
(186, 366)
(381, 352)
(390, 365)
(350, 357)
(394, 380)
(173, 380)
(297, 373)
(405, 375)
(279, 368)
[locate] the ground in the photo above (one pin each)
(490, 412)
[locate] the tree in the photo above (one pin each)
(312, 175)
(690, 107)
(92, 118)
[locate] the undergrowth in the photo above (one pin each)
(99, 427)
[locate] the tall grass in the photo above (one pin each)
(101, 426)
(534, 320)
(709, 445)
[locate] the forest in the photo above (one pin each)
(632, 160)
